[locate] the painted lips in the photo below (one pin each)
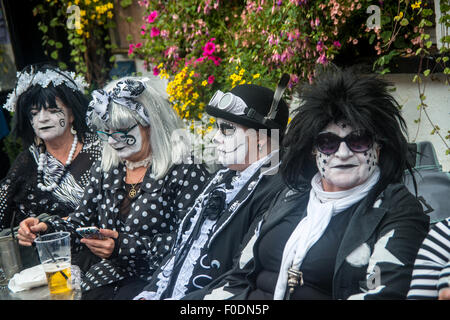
(45, 128)
(231, 151)
(344, 166)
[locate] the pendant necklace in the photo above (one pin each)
(133, 192)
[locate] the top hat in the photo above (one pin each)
(249, 105)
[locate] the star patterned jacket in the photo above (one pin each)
(146, 234)
(19, 192)
(375, 258)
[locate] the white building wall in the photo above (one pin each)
(437, 98)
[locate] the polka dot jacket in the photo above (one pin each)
(147, 233)
(19, 191)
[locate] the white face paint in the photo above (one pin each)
(345, 169)
(232, 147)
(50, 123)
(131, 145)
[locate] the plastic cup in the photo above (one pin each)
(54, 254)
(10, 262)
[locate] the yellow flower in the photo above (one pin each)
(416, 5)
(87, 2)
(204, 83)
(256, 76)
(212, 120)
(195, 96)
(400, 15)
(82, 13)
(109, 15)
(87, 35)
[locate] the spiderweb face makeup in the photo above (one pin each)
(345, 169)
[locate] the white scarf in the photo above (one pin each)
(322, 206)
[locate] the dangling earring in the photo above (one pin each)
(37, 141)
(73, 131)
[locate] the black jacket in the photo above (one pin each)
(224, 240)
(393, 228)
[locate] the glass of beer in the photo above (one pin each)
(54, 254)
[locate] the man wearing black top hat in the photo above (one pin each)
(251, 120)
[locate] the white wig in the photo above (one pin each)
(167, 148)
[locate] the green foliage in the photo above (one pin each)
(257, 41)
(87, 36)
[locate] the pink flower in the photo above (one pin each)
(131, 48)
(337, 44)
(322, 59)
(211, 79)
(138, 45)
(200, 59)
(154, 32)
(164, 33)
(216, 60)
(209, 48)
(143, 3)
(143, 27)
(319, 46)
(152, 16)
(155, 71)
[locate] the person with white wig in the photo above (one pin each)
(137, 194)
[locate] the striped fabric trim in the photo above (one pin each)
(432, 266)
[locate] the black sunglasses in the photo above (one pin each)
(357, 141)
(227, 129)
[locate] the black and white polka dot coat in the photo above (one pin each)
(146, 234)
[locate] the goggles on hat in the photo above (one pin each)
(233, 104)
(228, 102)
